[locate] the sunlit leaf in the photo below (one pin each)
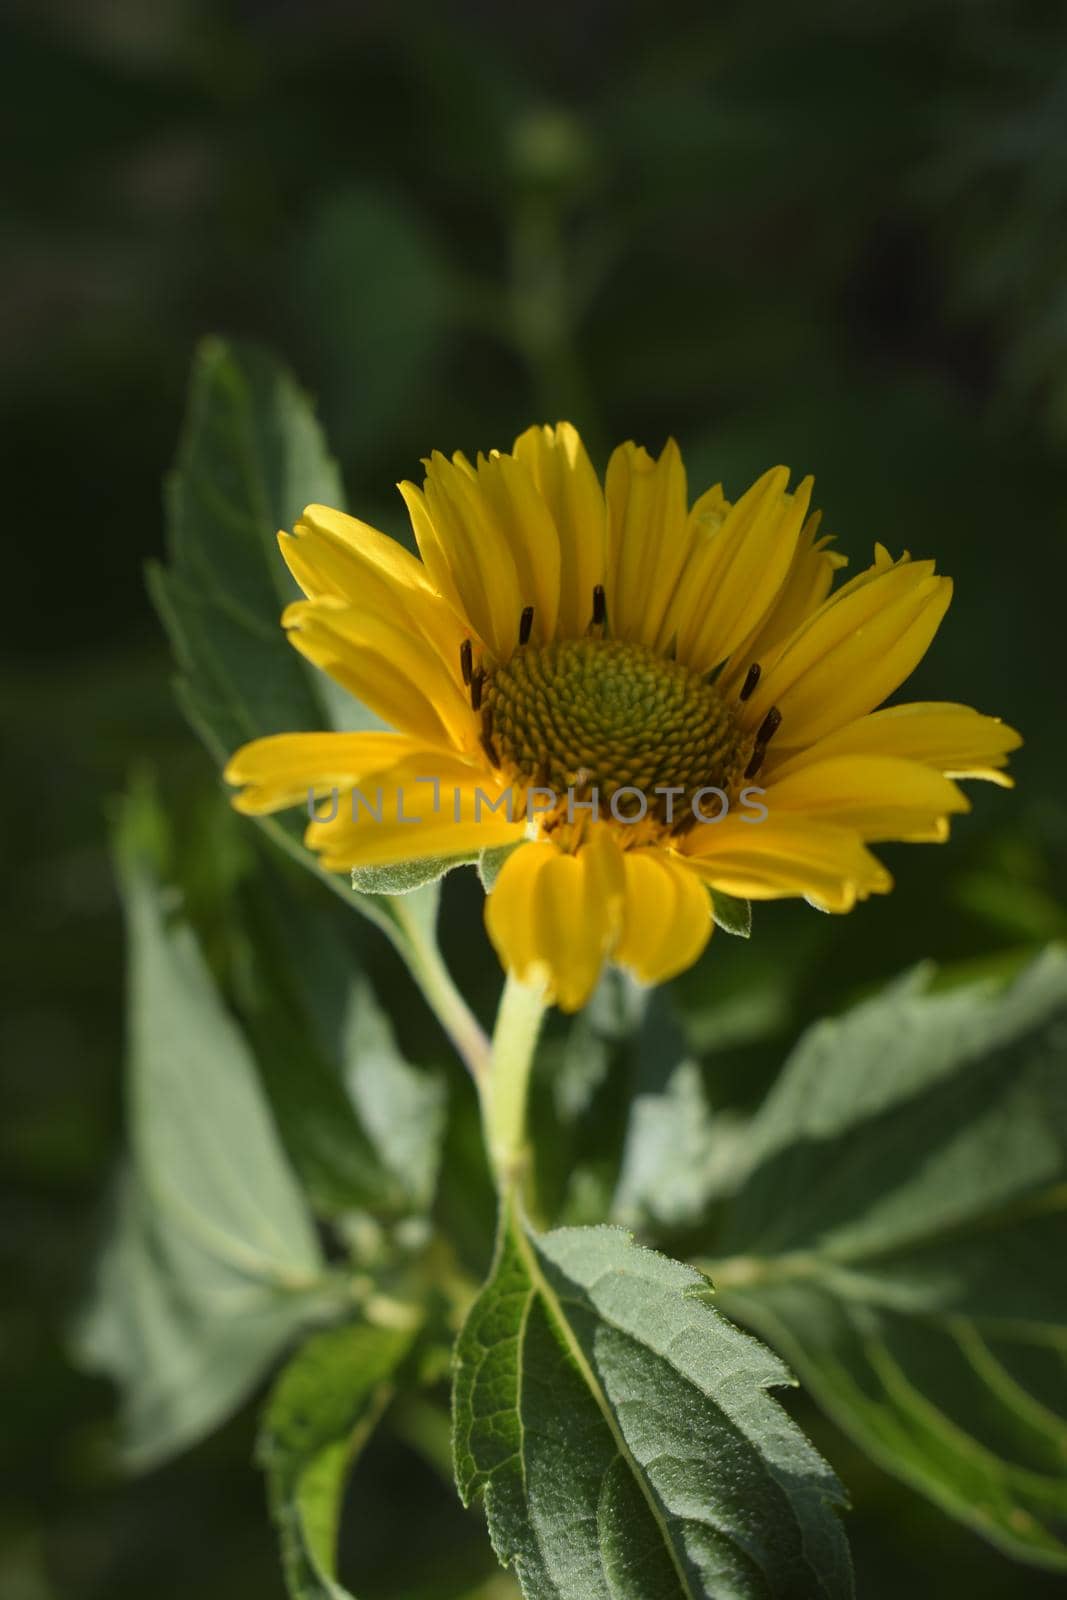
(623, 1437)
(320, 1414)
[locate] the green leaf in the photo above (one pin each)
(401, 1106)
(214, 1261)
(321, 1412)
(404, 877)
(678, 1155)
(184, 1337)
(731, 914)
(623, 1129)
(207, 1149)
(490, 862)
(622, 1434)
(900, 1237)
(250, 459)
(580, 1100)
(363, 1125)
(615, 1013)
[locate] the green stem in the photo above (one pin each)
(420, 951)
(506, 1090)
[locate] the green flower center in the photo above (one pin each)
(602, 714)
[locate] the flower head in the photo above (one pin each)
(649, 699)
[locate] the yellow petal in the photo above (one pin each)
(373, 574)
(681, 619)
(859, 646)
(425, 805)
(467, 551)
(881, 797)
(515, 505)
(955, 739)
(806, 587)
(785, 856)
(434, 555)
(666, 916)
(647, 548)
(554, 918)
(280, 770)
(707, 514)
(378, 659)
(330, 552)
(736, 570)
(558, 464)
(508, 912)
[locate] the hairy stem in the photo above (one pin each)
(419, 949)
(506, 1089)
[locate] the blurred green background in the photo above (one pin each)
(830, 235)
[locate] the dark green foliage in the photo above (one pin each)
(898, 1237)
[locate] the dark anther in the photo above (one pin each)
(487, 722)
(751, 680)
(490, 749)
(764, 734)
(600, 606)
(466, 661)
(525, 624)
(769, 726)
(477, 680)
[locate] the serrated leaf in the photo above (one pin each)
(251, 457)
(214, 1261)
(900, 1236)
(622, 1435)
(320, 1413)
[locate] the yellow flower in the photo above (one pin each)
(650, 698)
